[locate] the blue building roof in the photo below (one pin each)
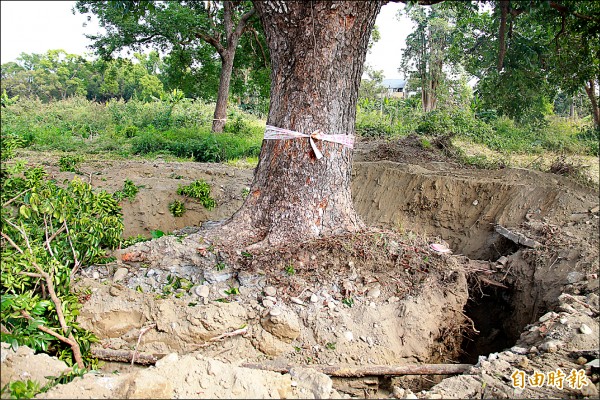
(394, 83)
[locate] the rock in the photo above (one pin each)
(249, 280)
(17, 365)
(120, 274)
(574, 277)
(586, 330)
(393, 299)
(270, 291)
(518, 350)
(551, 346)
(374, 293)
(590, 391)
(548, 316)
(314, 382)
(170, 358)
(593, 300)
(202, 291)
(284, 326)
(275, 312)
(475, 202)
(213, 276)
(268, 303)
(502, 260)
(269, 344)
(147, 384)
(349, 336)
(410, 395)
(296, 300)
(314, 298)
(563, 320)
(96, 275)
(398, 392)
(581, 360)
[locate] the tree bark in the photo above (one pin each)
(590, 89)
(220, 115)
(233, 33)
(317, 52)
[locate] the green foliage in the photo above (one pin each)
(232, 291)
(22, 389)
(289, 269)
(129, 191)
(348, 301)
(198, 190)
(55, 230)
(220, 266)
(70, 163)
(8, 144)
(176, 208)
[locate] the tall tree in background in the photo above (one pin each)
(182, 28)
(425, 55)
(524, 53)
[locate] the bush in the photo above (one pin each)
(198, 190)
(49, 232)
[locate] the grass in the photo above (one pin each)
(120, 129)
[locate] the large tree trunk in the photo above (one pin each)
(590, 89)
(317, 53)
(220, 115)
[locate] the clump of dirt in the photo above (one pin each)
(381, 297)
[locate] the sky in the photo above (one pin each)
(39, 26)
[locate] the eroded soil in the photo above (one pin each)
(380, 297)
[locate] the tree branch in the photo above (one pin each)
(214, 42)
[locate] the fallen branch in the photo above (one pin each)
(492, 282)
(125, 356)
(57, 303)
(373, 370)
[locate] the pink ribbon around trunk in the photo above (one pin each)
(275, 133)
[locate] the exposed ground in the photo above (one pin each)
(381, 297)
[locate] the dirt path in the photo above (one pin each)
(383, 297)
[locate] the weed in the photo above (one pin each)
(348, 301)
(198, 190)
(69, 163)
(157, 233)
(330, 345)
(245, 192)
(176, 208)
(129, 191)
(289, 269)
(220, 266)
(232, 291)
(247, 255)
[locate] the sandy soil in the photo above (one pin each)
(381, 297)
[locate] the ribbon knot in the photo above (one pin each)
(275, 133)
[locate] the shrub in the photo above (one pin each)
(69, 163)
(176, 208)
(198, 190)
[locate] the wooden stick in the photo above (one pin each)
(374, 370)
(125, 356)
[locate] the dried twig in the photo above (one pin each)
(586, 305)
(241, 331)
(142, 331)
